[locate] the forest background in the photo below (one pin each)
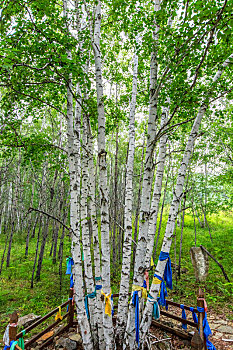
(49, 70)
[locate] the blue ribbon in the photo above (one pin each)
(98, 287)
(70, 263)
(156, 312)
(163, 292)
(144, 284)
(86, 306)
(135, 302)
(91, 296)
(195, 319)
(71, 281)
(98, 278)
(184, 325)
(168, 268)
(8, 347)
(206, 330)
(112, 305)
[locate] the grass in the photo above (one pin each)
(16, 294)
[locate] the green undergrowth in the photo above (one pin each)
(15, 282)
(16, 294)
(218, 292)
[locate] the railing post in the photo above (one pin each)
(13, 326)
(201, 315)
(71, 308)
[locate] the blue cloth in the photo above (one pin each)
(206, 330)
(71, 281)
(86, 306)
(144, 284)
(112, 305)
(156, 312)
(195, 319)
(8, 347)
(13, 344)
(98, 287)
(163, 292)
(69, 264)
(184, 325)
(91, 296)
(135, 302)
(168, 269)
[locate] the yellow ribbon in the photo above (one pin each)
(156, 281)
(58, 315)
(152, 262)
(138, 288)
(107, 299)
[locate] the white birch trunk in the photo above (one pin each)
(105, 244)
(147, 315)
(146, 188)
(74, 172)
(157, 191)
(126, 260)
(90, 287)
(96, 247)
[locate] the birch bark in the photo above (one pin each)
(74, 173)
(85, 235)
(146, 187)
(157, 190)
(147, 315)
(105, 244)
(94, 223)
(126, 260)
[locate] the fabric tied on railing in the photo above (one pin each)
(107, 299)
(135, 302)
(195, 319)
(206, 329)
(168, 268)
(163, 290)
(13, 344)
(6, 347)
(156, 310)
(71, 281)
(184, 325)
(69, 264)
(58, 315)
(136, 288)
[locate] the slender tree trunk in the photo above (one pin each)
(96, 247)
(146, 187)
(114, 249)
(161, 213)
(147, 315)
(10, 243)
(37, 249)
(126, 261)
(105, 244)
(138, 202)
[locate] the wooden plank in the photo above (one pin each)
(169, 302)
(50, 340)
(41, 320)
(172, 330)
(177, 318)
(37, 336)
